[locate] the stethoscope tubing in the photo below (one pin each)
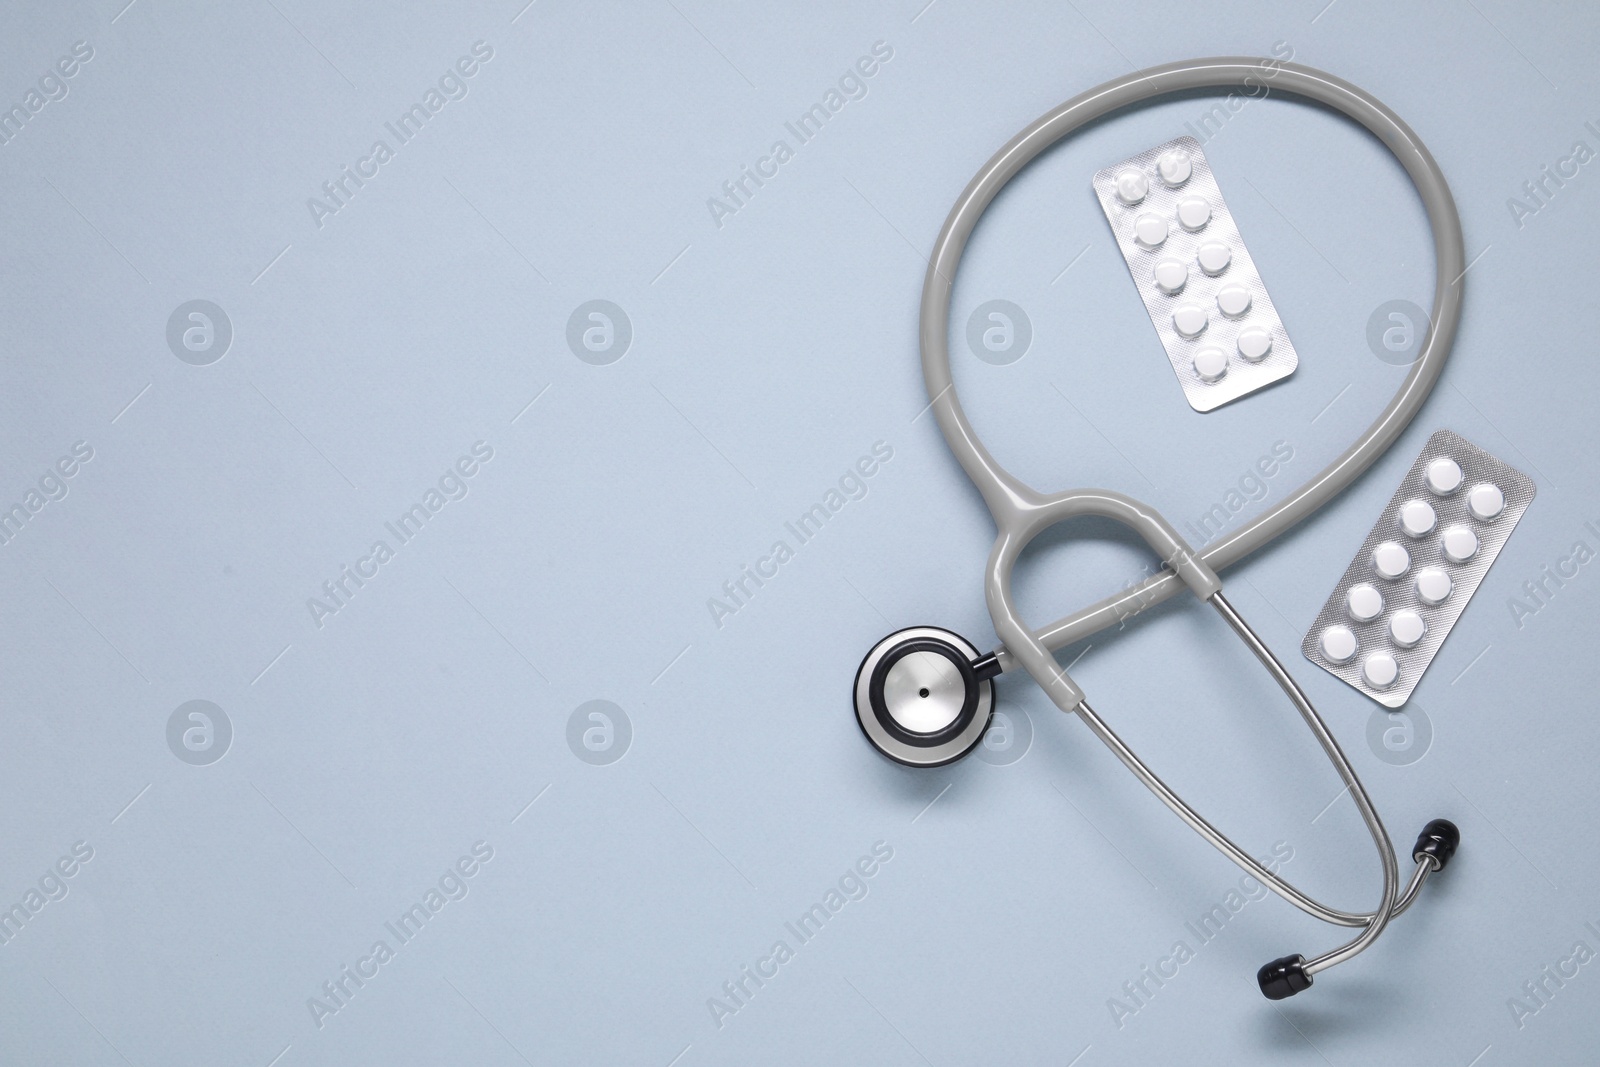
(1004, 493)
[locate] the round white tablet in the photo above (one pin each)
(1379, 670)
(1132, 186)
(1214, 257)
(1174, 167)
(1150, 229)
(1339, 644)
(1254, 343)
(1406, 628)
(1233, 299)
(1444, 476)
(1460, 544)
(1486, 501)
(1434, 585)
(1391, 560)
(1171, 276)
(1193, 213)
(1211, 363)
(1364, 602)
(1417, 518)
(1189, 320)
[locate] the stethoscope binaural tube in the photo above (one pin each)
(1021, 512)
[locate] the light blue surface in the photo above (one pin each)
(372, 752)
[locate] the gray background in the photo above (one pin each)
(769, 353)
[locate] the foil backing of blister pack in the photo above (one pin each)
(1241, 375)
(1452, 511)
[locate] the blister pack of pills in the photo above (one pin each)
(1195, 275)
(1417, 569)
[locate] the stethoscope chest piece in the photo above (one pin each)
(918, 698)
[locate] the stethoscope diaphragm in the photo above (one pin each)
(918, 698)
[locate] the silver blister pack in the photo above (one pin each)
(1425, 557)
(1198, 282)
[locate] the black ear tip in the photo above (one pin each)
(1283, 978)
(1439, 841)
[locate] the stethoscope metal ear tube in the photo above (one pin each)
(1021, 513)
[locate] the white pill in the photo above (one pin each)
(1214, 257)
(1254, 343)
(1486, 501)
(1406, 628)
(1171, 276)
(1444, 476)
(1391, 560)
(1364, 602)
(1417, 518)
(1193, 213)
(1379, 670)
(1233, 299)
(1434, 585)
(1339, 644)
(1150, 229)
(1189, 320)
(1211, 363)
(1460, 544)
(1132, 186)
(1174, 167)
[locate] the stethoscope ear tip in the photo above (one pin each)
(923, 696)
(1438, 841)
(1283, 978)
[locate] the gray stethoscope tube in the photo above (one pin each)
(909, 669)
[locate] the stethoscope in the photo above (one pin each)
(924, 695)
